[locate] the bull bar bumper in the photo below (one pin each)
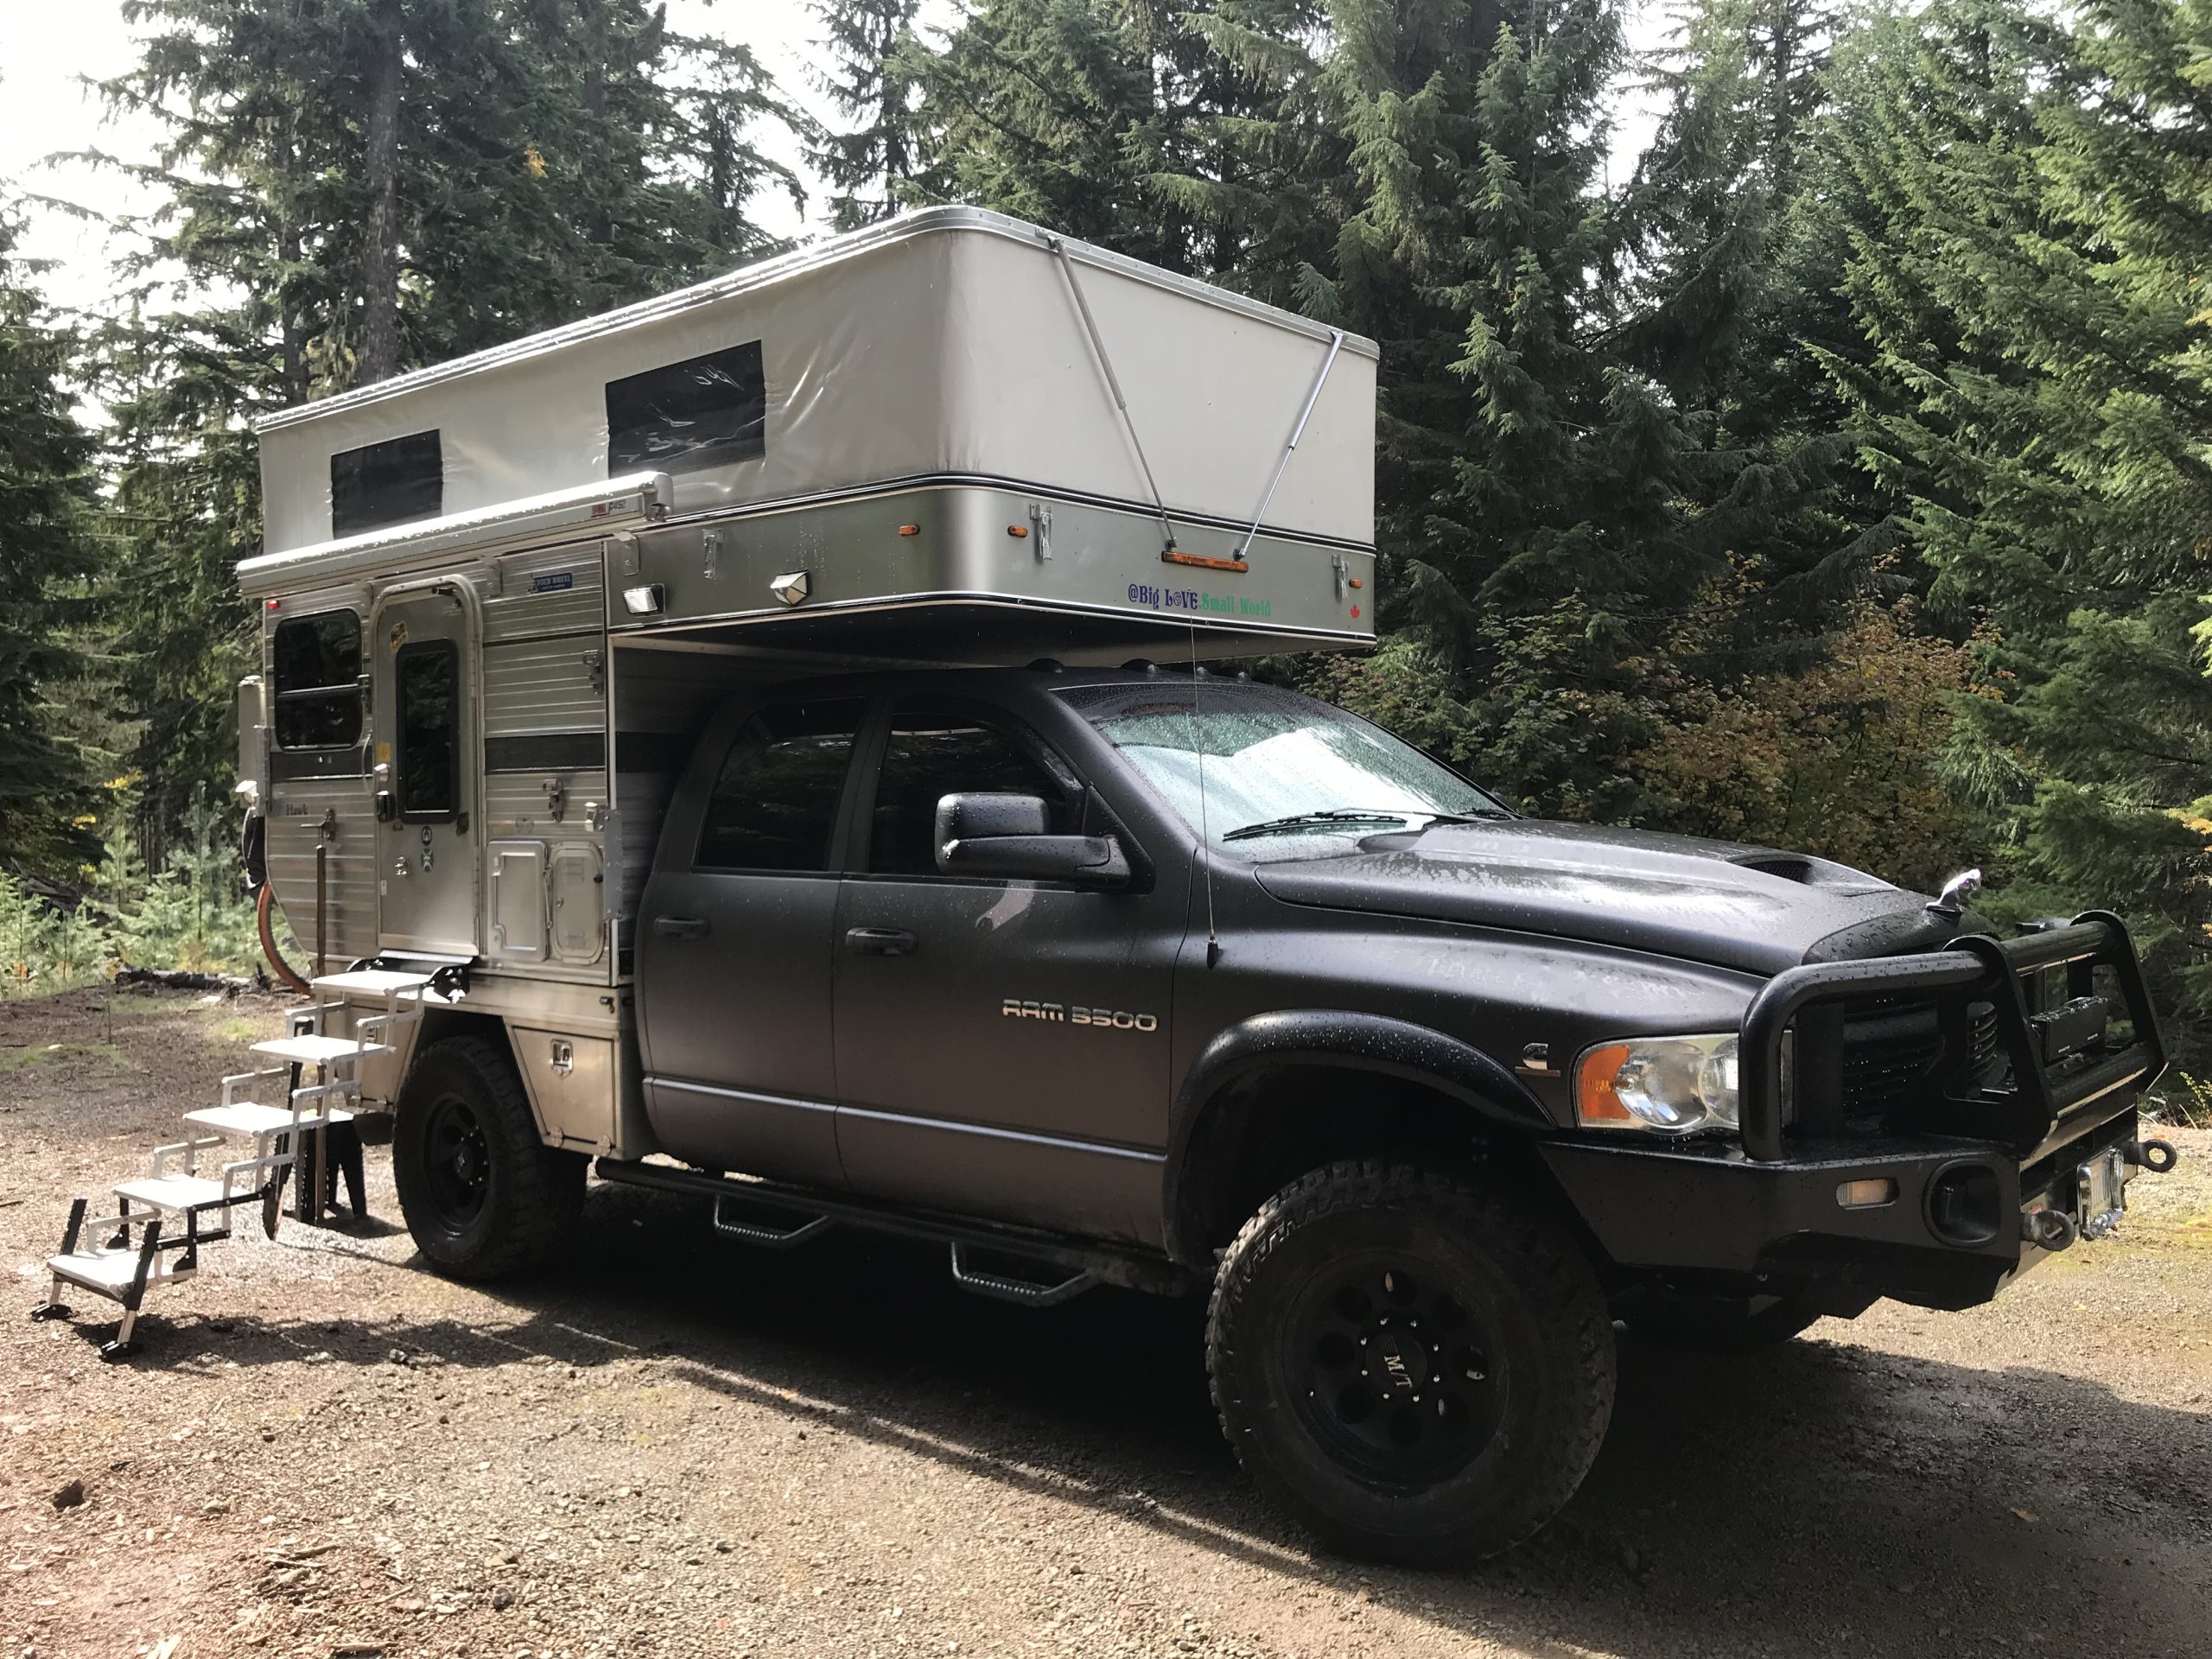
(1785, 1207)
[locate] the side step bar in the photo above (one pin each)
(1021, 1291)
(1080, 1265)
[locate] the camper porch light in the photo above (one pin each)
(645, 600)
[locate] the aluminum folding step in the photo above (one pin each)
(111, 1273)
(370, 982)
(308, 1049)
(178, 1193)
(251, 1118)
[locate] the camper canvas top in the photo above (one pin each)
(952, 343)
(991, 442)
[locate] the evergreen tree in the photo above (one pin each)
(2037, 399)
(873, 60)
(1531, 475)
(45, 568)
(1053, 111)
(543, 160)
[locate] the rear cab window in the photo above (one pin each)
(774, 805)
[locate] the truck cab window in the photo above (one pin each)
(933, 752)
(428, 760)
(774, 804)
(316, 662)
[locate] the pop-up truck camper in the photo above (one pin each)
(770, 742)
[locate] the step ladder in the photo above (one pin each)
(180, 1204)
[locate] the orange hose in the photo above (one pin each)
(269, 944)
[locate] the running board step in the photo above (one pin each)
(774, 1238)
(811, 1212)
(1028, 1292)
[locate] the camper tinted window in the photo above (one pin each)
(704, 411)
(774, 805)
(394, 482)
(426, 680)
(316, 662)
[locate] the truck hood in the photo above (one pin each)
(1751, 908)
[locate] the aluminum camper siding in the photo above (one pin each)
(945, 345)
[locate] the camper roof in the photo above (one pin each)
(948, 344)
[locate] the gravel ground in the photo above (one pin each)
(678, 1445)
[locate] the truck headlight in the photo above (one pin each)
(1672, 1084)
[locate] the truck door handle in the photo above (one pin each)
(680, 927)
(881, 941)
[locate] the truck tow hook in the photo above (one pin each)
(2156, 1156)
(2049, 1229)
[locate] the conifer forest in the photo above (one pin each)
(1834, 475)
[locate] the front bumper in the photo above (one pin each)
(1708, 1212)
(1966, 1181)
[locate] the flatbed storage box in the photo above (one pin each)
(948, 348)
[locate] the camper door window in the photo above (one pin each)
(427, 760)
(316, 662)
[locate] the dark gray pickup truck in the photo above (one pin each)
(1180, 981)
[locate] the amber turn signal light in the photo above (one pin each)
(1595, 1102)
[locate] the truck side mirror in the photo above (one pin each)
(1010, 836)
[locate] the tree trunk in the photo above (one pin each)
(294, 367)
(380, 257)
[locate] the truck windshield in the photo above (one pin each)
(1278, 766)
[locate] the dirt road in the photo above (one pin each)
(683, 1445)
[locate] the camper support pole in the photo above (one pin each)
(321, 906)
(1113, 383)
(1336, 345)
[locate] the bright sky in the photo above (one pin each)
(48, 51)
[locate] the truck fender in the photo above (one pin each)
(1345, 1040)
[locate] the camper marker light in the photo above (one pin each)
(1017, 530)
(909, 530)
(645, 600)
(793, 587)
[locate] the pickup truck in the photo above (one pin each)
(1177, 980)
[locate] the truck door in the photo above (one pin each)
(426, 771)
(1002, 1046)
(734, 949)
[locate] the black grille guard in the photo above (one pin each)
(1976, 967)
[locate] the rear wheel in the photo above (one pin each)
(483, 1196)
(1419, 1369)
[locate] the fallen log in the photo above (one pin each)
(178, 979)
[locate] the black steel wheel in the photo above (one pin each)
(1399, 1378)
(1416, 1366)
(456, 1161)
(483, 1196)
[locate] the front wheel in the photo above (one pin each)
(483, 1196)
(1418, 1368)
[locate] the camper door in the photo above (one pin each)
(427, 768)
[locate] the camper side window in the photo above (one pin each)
(774, 804)
(426, 761)
(704, 411)
(317, 670)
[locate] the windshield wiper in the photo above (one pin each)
(1341, 815)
